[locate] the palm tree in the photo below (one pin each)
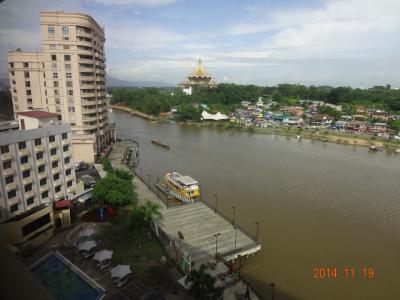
(150, 210)
(203, 285)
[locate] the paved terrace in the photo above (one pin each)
(199, 223)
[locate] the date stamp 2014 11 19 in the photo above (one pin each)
(321, 273)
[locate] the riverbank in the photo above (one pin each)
(317, 134)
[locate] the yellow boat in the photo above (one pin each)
(182, 187)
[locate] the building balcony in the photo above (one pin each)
(13, 200)
(24, 152)
(27, 180)
(53, 145)
(85, 60)
(44, 188)
(26, 166)
(6, 156)
(65, 142)
(55, 157)
(39, 148)
(89, 119)
(83, 33)
(57, 182)
(40, 162)
(68, 166)
(60, 195)
(8, 171)
(84, 43)
(69, 178)
(11, 186)
(29, 194)
(88, 94)
(85, 51)
(71, 190)
(42, 175)
(86, 102)
(88, 86)
(89, 111)
(89, 127)
(56, 170)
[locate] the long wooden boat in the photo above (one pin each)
(158, 143)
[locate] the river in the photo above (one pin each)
(319, 205)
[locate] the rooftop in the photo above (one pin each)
(184, 179)
(199, 71)
(38, 114)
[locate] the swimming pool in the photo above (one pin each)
(64, 280)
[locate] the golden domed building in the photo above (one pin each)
(199, 77)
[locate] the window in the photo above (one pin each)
(67, 160)
(28, 188)
(9, 179)
(55, 83)
(26, 74)
(52, 138)
(71, 109)
(65, 148)
(55, 75)
(35, 225)
(39, 155)
(12, 73)
(68, 75)
(53, 152)
(53, 57)
(67, 57)
(57, 189)
(14, 208)
(69, 183)
(54, 164)
(26, 65)
(66, 47)
(7, 164)
(58, 102)
(54, 65)
(65, 38)
(70, 92)
(27, 84)
(21, 145)
(42, 181)
(11, 194)
(13, 82)
(5, 149)
(41, 169)
(28, 92)
(26, 174)
(68, 172)
(56, 177)
(53, 46)
(56, 93)
(51, 29)
(24, 159)
(45, 194)
(65, 30)
(38, 142)
(64, 137)
(30, 201)
(29, 101)
(11, 65)
(45, 84)
(67, 67)
(69, 83)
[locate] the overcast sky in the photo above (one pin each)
(266, 42)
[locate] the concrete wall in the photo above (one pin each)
(11, 232)
(84, 151)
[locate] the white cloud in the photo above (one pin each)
(150, 3)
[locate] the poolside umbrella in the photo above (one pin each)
(120, 271)
(103, 255)
(87, 232)
(87, 245)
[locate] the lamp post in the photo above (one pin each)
(149, 176)
(257, 230)
(235, 236)
(216, 243)
(234, 214)
(216, 203)
(273, 290)
(141, 173)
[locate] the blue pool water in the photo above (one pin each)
(65, 283)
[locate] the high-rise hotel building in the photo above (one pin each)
(67, 78)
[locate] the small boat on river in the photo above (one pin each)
(182, 187)
(374, 148)
(158, 143)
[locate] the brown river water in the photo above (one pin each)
(319, 205)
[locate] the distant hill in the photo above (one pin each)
(114, 82)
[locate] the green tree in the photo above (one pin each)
(141, 216)
(114, 191)
(203, 285)
(106, 164)
(122, 174)
(277, 96)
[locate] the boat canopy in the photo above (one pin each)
(183, 179)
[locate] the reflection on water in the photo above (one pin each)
(318, 204)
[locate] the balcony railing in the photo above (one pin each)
(11, 186)
(56, 170)
(44, 188)
(6, 156)
(25, 166)
(42, 175)
(23, 152)
(27, 180)
(39, 148)
(40, 162)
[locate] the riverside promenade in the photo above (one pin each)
(205, 232)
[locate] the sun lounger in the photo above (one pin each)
(105, 265)
(123, 281)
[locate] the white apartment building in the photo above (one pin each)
(36, 169)
(68, 78)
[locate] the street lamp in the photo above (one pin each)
(273, 290)
(234, 214)
(141, 173)
(235, 236)
(216, 243)
(257, 230)
(149, 176)
(216, 203)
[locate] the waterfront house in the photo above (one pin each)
(294, 121)
(321, 120)
(378, 128)
(357, 126)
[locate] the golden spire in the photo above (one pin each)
(199, 71)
